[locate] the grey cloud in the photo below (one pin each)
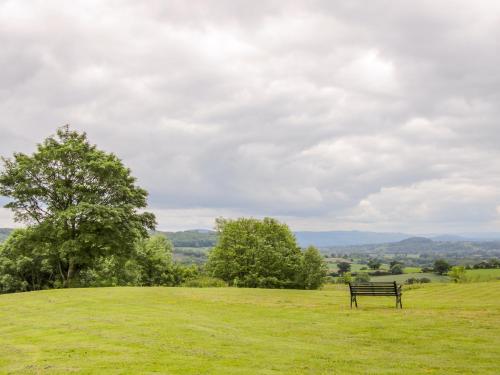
(380, 115)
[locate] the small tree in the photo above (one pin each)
(343, 267)
(374, 264)
(441, 266)
(314, 269)
(457, 274)
(154, 259)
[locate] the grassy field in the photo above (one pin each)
(412, 269)
(443, 328)
(483, 275)
(405, 276)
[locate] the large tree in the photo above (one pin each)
(80, 201)
(262, 253)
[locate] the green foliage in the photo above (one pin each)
(262, 254)
(110, 271)
(374, 264)
(362, 277)
(416, 280)
(81, 203)
(457, 274)
(205, 282)
(192, 238)
(346, 278)
(441, 266)
(314, 269)
(343, 267)
(487, 264)
(25, 263)
(154, 260)
(397, 269)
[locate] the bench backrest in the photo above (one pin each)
(375, 289)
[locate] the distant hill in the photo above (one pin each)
(347, 238)
(192, 238)
(421, 245)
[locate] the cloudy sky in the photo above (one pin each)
(330, 115)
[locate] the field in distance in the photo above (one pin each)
(443, 328)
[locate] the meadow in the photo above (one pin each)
(443, 328)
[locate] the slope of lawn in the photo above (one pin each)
(443, 328)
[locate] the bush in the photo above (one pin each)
(362, 277)
(411, 280)
(457, 274)
(397, 269)
(414, 280)
(329, 280)
(205, 282)
(345, 278)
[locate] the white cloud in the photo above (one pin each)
(324, 114)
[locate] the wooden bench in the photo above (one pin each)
(391, 289)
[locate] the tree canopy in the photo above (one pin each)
(79, 202)
(263, 253)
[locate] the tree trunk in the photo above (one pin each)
(70, 274)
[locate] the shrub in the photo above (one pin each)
(345, 278)
(362, 277)
(205, 282)
(414, 280)
(411, 280)
(397, 269)
(329, 280)
(457, 274)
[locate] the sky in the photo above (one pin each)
(328, 115)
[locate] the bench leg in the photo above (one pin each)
(353, 299)
(398, 302)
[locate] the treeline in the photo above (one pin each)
(86, 226)
(28, 264)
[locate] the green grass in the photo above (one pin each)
(405, 276)
(443, 328)
(412, 269)
(483, 275)
(355, 267)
